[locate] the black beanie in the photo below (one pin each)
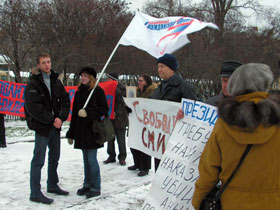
(113, 75)
(88, 70)
(169, 60)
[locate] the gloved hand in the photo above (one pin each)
(70, 141)
(128, 109)
(82, 113)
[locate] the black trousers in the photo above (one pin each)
(2, 130)
(157, 161)
(141, 160)
(120, 134)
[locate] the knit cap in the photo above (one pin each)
(113, 75)
(251, 77)
(169, 60)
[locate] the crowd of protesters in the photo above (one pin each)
(248, 115)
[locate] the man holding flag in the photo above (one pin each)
(160, 37)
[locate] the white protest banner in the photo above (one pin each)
(158, 36)
(150, 124)
(173, 185)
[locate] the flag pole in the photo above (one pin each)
(101, 74)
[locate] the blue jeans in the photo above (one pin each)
(38, 160)
(92, 177)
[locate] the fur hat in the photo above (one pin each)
(169, 60)
(113, 75)
(251, 77)
(88, 70)
(228, 68)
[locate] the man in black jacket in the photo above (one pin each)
(227, 69)
(47, 105)
(172, 87)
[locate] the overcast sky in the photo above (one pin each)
(137, 4)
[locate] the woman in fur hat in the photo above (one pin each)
(81, 129)
(250, 116)
(142, 161)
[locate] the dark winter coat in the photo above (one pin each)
(214, 101)
(40, 107)
(177, 88)
(246, 119)
(81, 128)
(121, 116)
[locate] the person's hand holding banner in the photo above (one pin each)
(70, 141)
(180, 114)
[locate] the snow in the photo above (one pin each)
(121, 189)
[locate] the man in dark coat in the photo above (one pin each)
(172, 87)
(2, 132)
(120, 123)
(227, 69)
(47, 105)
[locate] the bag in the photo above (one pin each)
(104, 130)
(211, 201)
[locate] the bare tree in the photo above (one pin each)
(162, 8)
(16, 45)
(84, 32)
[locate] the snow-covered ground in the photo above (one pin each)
(120, 189)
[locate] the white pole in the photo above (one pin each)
(101, 74)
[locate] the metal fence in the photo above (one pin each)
(12, 117)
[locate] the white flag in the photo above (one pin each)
(158, 36)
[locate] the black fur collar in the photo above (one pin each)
(248, 115)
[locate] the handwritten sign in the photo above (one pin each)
(150, 124)
(173, 185)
